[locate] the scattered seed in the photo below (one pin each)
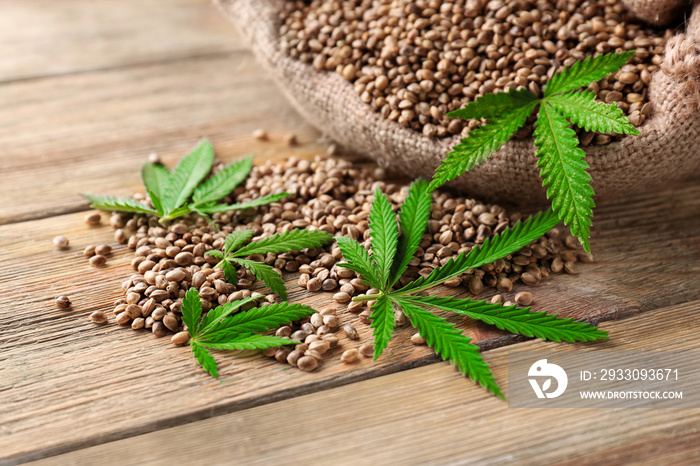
(103, 249)
(497, 299)
(332, 340)
(504, 285)
(283, 332)
(123, 319)
(307, 363)
(329, 285)
(365, 316)
(314, 284)
(293, 357)
(454, 282)
(351, 332)
(93, 219)
(475, 285)
(355, 307)
(585, 258)
(330, 321)
(308, 328)
(133, 311)
(524, 298)
(416, 339)
(180, 338)
(400, 319)
(282, 353)
(260, 134)
(367, 349)
(320, 345)
(138, 323)
(98, 260)
(342, 297)
(316, 320)
(63, 302)
(61, 242)
(350, 356)
(529, 279)
(98, 317)
(291, 139)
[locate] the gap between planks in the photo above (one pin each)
(433, 415)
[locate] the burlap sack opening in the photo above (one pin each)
(667, 149)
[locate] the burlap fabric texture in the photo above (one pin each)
(667, 150)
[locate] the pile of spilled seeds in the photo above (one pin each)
(330, 195)
(414, 61)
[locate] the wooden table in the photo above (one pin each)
(88, 90)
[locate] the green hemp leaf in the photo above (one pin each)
(390, 256)
(292, 240)
(184, 190)
(562, 163)
(228, 327)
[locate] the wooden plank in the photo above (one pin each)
(92, 132)
(45, 37)
(432, 415)
(57, 367)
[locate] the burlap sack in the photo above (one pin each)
(668, 148)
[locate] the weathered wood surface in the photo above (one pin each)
(43, 39)
(90, 132)
(432, 415)
(89, 89)
(58, 367)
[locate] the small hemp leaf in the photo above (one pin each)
(235, 253)
(185, 190)
(391, 253)
(562, 163)
(228, 328)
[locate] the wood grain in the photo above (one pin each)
(58, 367)
(89, 89)
(44, 39)
(431, 415)
(92, 132)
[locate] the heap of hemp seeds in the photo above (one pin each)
(415, 61)
(326, 194)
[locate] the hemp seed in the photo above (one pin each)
(93, 219)
(351, 332)
(307, 363)
(180, 338)
(63, 302)
(61, 242)
(367, 349)
(98, 260)
(524, 298)
(350, 356)
(260, 134)
(103, 249)
(98, 317)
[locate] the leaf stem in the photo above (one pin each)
(366, 297)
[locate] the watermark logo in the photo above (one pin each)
(543, 370)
